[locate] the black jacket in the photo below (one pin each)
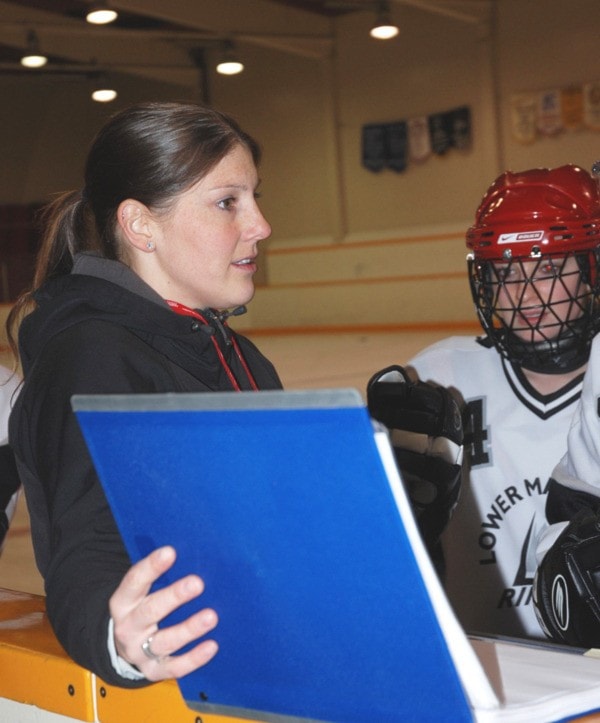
(100, 330)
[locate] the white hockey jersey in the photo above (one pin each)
(515, 439)
(579, 469)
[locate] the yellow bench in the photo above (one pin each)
(36, 671)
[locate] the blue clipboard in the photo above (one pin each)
(280, 501)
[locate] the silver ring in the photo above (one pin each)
(148, 652)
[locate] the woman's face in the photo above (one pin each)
(205, 246)
(535, 298)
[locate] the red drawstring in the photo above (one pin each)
(186, 311)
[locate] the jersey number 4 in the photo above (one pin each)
(476, 433)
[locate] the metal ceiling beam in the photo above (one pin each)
(441, 9)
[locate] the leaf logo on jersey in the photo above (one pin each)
(521, 592)
(522, 577)
(560, 602)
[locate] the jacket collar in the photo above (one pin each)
(90, 264)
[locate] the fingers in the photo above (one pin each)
(163, 643)
(136, 613)
(180, 665)
(138, 580)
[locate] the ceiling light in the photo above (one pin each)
(102, 90)
(101, 14)
(229, 63)
(33, 58)
(104, 95)
(384, 28)
(229, 67)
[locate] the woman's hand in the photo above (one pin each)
(136, 614)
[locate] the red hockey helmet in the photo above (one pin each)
(538, 211)
(527, 227)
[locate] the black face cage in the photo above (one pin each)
(556, 341)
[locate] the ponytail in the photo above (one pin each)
(66, 231)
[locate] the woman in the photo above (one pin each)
(135, 280)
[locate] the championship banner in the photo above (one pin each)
(397, 146)
(460, 128)
(571, 105)
(523, 112)
(549, 116)
(591, 105)
(374, 147)
(439, 131)
(419, 142)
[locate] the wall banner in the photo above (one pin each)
(523, 113)
(591, 105)
(419, 141)
(397, 146)
(571, 102)
(549, 116)
(460, 128)
(373, 147)
(394, 145)
(552, 111)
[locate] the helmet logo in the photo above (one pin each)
(520, 237)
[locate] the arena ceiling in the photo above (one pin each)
(167, 41)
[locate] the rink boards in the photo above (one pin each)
(39, 682)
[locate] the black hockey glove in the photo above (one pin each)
(426, 432)
(566, 588)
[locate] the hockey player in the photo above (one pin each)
(567, 583)
(533, 269)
